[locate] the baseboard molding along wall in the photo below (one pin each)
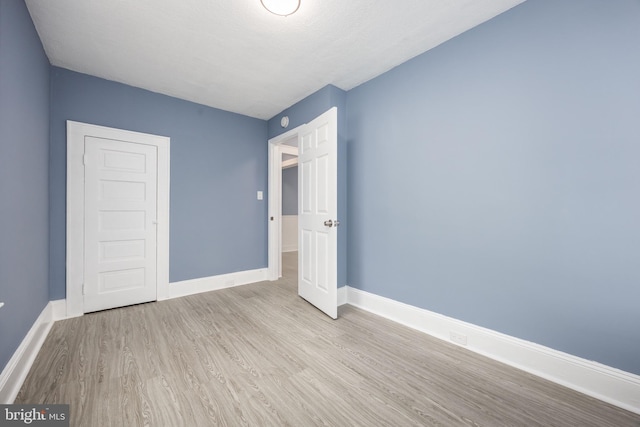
(214, 283)
(14, 374)
(59, 310)
(342, 295)
(603, 382)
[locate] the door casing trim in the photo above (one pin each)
(76, 132)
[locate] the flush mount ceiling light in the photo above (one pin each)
(281, 7)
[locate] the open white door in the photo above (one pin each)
(318, 212)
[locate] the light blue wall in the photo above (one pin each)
(290, 191)
(218, 162)
(24, 157)
(305, 111)
(496, 178)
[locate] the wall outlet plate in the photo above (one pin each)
(458, 338)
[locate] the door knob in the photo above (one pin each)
(328, 223)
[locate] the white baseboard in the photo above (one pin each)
(214, 283)
(603, 382)
(184, 288)
(342, 295)
(14, 374)
(59, 310)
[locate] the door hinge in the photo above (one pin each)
(84, 159)
(83, 289)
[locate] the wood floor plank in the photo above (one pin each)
(258, 355)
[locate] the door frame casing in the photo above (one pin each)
(276, 148)
(76, 132)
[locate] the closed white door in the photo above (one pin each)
(120, 220)
(317, 213)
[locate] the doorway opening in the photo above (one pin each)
(289, 212)
(283, 203)
(317, 209)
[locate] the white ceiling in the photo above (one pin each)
(234, 55)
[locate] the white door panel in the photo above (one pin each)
(120, 233)
(317, 174)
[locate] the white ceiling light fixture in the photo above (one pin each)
(281, 7)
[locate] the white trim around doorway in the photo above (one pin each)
(76, 132)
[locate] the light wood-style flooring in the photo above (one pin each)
(258, 355)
